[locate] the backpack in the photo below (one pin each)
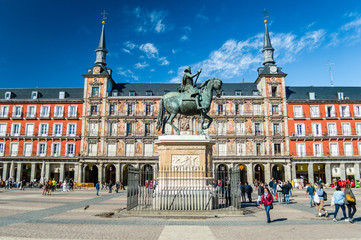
(324, 196)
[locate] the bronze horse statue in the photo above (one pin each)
(183, 103)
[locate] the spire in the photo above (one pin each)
(267, 48)
(101, 51)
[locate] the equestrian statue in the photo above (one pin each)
(189, 101)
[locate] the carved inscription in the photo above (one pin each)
(185, 162)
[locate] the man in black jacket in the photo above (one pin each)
(286, 192)
(260, 193)
(249, 191)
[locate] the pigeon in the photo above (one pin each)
(86, 207)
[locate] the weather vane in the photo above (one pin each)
(104, 16)
(265, 15)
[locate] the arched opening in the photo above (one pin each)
(110, 173)
(319, 173)
(146, 174)
(278, 172)
(69, 170)
(242, 173)
(222, 172)
(55, 172)
(26, 172)
(259, 172)
(91, 174)
(125, 174)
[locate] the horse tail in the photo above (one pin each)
(160, 115)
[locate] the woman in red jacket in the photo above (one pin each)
(267, 199)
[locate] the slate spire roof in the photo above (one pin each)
(101, 51)
(267, 47)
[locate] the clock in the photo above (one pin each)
(273, 69)
(96, 69)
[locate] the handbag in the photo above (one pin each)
(271, 206)
(349, 198)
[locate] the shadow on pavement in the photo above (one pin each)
(279, 220)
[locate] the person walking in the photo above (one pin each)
(249, 191)
(279, 192)
(286, 192)
(310, 190)
(97, 187)
(339, 199)
(243, 192)
(45, 188)
(350, 201)
(117, 186)
(110, 186)
(23, 184)
(320, 205)
(267, 201)
(260, 193)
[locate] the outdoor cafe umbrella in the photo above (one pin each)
(42, 173)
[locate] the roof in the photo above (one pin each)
(43, 93)
(323, 93)
(158, 89)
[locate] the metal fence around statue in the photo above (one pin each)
(184, 190)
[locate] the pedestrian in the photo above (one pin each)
(117, 186)
(110, 186)
(53, 185)
(260, 193)
(290, 185)
(45, 188)
(222, 187)
(274, 187)
(23, 184)
(320, 202)
(97, 187)
(270, 184)
(49, 186)
(228, 193)
(310, 190)
(350, 201)
(65, 186)
(249, 191)
(279, 192)
(339, 200)
(267, 201)
(71, 184)
(243, 192)
(286, 192)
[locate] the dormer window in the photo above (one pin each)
(8, 95)
(311, 95)
(148, 93)
(274, 91)
(255, 93)
(340, 95)
(238, 93)
(132, 94)
(115, 93)
(34, 95)
(61, 95)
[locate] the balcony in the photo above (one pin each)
(325, 154)
(72, 115)
(327, 134)
(17, 116)
(44, 115)
(4, 115)
(30, 115)
(58, 116)
(93, 113)
(299, 115)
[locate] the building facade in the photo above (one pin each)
(96, 133)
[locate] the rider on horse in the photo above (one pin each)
(188, 86)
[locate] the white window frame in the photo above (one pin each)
(34, 95)
(61, 95)
(357, 110)
(315, 152)
(129, 149)
(29, 114)
(13, 128)
(61, 129)
(299, 113)
(67, 150)
(39, 153)
(68, 130)
(12, 153)
(15, 114)
(75, 113)
(332, 113)
(340, 96)
(7, 95)
(345, 114)
(26, 154)
(301, 152)
(346, 132)
(110, 152)
(148, 146)
(311, 96)
(27, 133)
(222, 149)
(40, 129)
(42, 112)
(358, 128)
(315, 114)
(56, 113)
(4, 131)
(314, 129)
(4, 111)
(2, 148)
(58, 153)
(359, 148)
(92, 149)
(328, 129)
(303, 132)
(337, 148)
(347, 153)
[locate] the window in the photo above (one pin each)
(220, 109)
(148, 109)
(314, 111)
(7, 95)
(240, 128)
(277, 148)
(72, 129)
(14, 148)
(45, 111)
(357, 110)
(28, 147)
(43, 129)
(300, 129)
(311, 95)
(70, 149)
(275, 109)
(255, 93)
(359, 149)
(330, 111)
(297, 112)
(238, 93)
(221, 128)
(334, 149)
(92, 149)
(34, 95)
(29, 130)
(59, 111)
(344, 111)
(274, 91)
(61, 95)
(301, 149)
(129, 128)
(317, 149)
(111, 109)
(3, 129)
(340, 95)
(222, 149)
(346, 129)
(257, 128)
(57, 129)
(17, 111)
(148, 149)
(93, 129)
(72, 111)
(31, 111)
(42, 149)
(316, 129)
(258, 149)
(348, 149)
(2, 149)
(112, 149)
(95, 91)
(236, 109)
(332, 131)
(130, 109)
(358, 129)
(94, 110)
(241, 149)
(276, 129)
(131, 94)
(4, 111)
(147, 128)
(129, 149)
(148, 93)
(15, 131)
(257, 109)
(55, 150)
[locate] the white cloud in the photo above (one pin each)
(170, 72)
(184, 38)
(141, 65)
(163, 61)
(128, 47)
(187, 30)
(200, 15)
(350, 32)
(150, 21)
(127, 73)
(149, 49)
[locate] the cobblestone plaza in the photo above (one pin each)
(29, 215)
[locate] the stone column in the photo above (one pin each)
(342, 171)
(356, 169)
(32, 174)
(288, 176)
(294, 171)
(155, 169)
(5, 171)
(310, 173)
(121, 172)
(18, 172)
(76, 173)
(100, 172)
(117, 172)
(267, 172)
(328, 173)
(250, 173)
(47, 171)
(61, 175)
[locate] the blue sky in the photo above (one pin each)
(52, 43)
